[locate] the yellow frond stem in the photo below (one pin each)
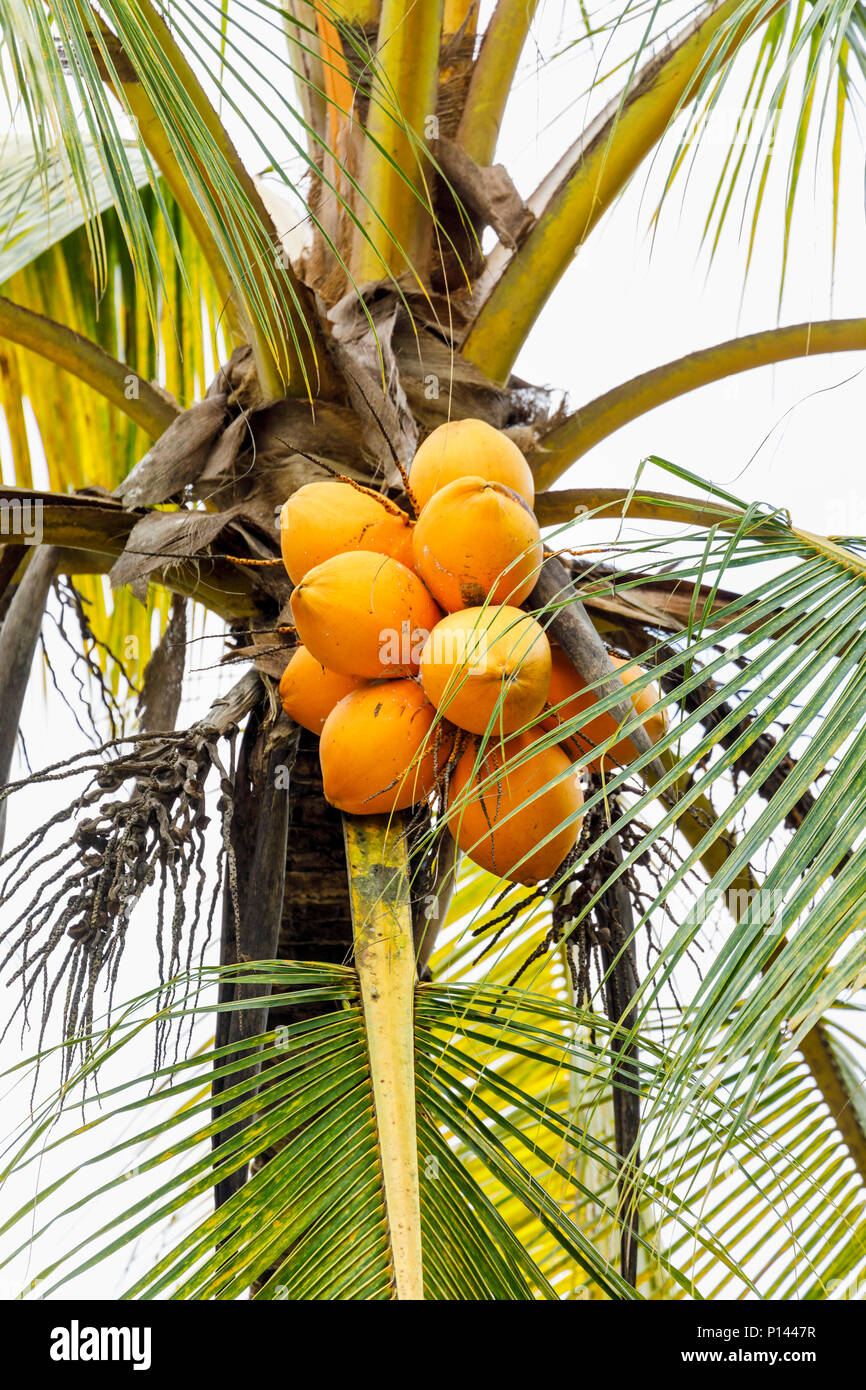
(456, 13)
(356, 11)
(615, 503)
(86, 360)
(267, 318)
(492, 77)
(132, 96)
(592, 175)
(396, 223)
(601, 417)
(12, 407)
(385, 960)
(335, 71)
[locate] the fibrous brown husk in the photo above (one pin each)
(367, 359)
(161, 540)
(488, 193)
(279, 456)
(177, 457)
(159, 537)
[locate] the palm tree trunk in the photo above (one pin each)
(253, 898)
(290, 896)
(317, 915)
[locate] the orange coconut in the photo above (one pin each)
(309, 691)
(328, 518)
(487, 667)
(363, 614)
(461, 448)
(475, 540)
(379, 749)
(506, 816)
(568, 692)
(642, 700)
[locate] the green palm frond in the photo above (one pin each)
(310, 1107)
(799, 97)
(508, 1085)
(780, 1198)
(757, 103)
(682, 93)
(66, 69)
(728, 852)
(799, 60)
(82, 80)
(37, 202)
(59, 428)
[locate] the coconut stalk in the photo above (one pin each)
(573, 197)
(492, 78)
(162, 687)
(395, 225)
(385, 960)
(11, 557)
(283, 331)
(573, 629)
(614, 912)
(431, 898)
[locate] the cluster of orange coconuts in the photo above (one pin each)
(414, 645)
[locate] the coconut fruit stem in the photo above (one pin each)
(572, 627)
(378, 865)
(393, 508)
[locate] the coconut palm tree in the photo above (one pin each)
(410, 1086)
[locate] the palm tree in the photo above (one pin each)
(507, 1097)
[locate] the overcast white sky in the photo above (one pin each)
(792, 435)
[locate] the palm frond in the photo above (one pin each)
(508, 1085)
(60, 428)
(705, 52)
(38, 206)
(65, 69)
(310, 1223)
(88, 78)
(570, 438)
(800, 99)
(780, 1199)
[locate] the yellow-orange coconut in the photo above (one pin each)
(379, 749)
(567, 691)
(461, 448)
(309, 691)
(363, 614)
(474, 540)
(500, 816)
(484, 665)
(329, 518)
